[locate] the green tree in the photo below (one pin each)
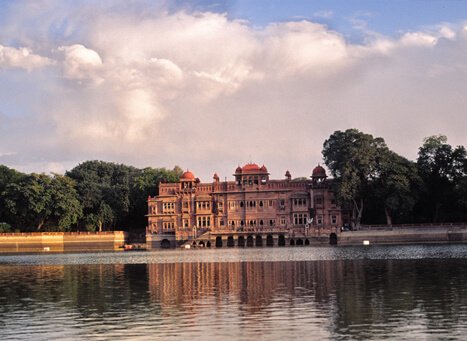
(39, 202)
(354, 160)
(443, 170)
(397, 186)
(66, 208)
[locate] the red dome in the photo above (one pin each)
(250, 167)
(238, 170)
(187, 175)
(319, 171)
(263, 169)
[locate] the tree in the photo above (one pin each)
(42, 201)
(354, 160)
(443, 170)
(66, 208)
(7, 176)
(398, 185)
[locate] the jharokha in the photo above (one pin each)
(252, 210)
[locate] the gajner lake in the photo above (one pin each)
(343, 293)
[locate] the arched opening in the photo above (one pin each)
(249, 241)
(307, 242)
(230, 241)
(218, 242)
(292, 242)
(241, 241)
(299, 242)
(165, 244)
(281, 241)
(201, 244)
(208, 244)
(259, 240)
(269, 240)
(333, 239)
(193, 244)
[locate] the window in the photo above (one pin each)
(282, 204)
(319, 219)
(261, 203)
(300, 218)
(333, 219)
(282, 221)
(319, 200)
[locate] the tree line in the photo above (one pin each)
(93, 196)
(381, 187)
(375, 184)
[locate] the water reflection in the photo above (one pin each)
(338, 299)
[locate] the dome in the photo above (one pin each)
(187, 176)
(250, 167)
(318, 171)
(263, 169)
(238, 170)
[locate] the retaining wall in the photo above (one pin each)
(62, 241)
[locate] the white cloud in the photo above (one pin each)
(80, 62)
(207, 92)
(22, 58)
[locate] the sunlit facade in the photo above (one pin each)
(251, 203)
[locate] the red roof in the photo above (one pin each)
(250, 167)
(319, 171)
(187, 176)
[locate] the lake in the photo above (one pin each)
(338, 293)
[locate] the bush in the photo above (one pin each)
(5, 228)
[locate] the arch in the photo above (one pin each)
(165, 244)
(249, 241)
(269, 240)
(307, 242)
(218, 241)
(333, 239)
(299, 242)
(241, 241)
(259, 240)
(201, 244)
(193, 244)
(292, 242)
(230, 241)
(281, 241)
(208, 244)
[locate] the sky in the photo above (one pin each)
(210, 85)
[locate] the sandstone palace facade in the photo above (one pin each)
(251, 210)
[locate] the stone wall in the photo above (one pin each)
(62, 241)
(429, 235)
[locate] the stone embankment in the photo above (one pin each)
(406, 234)
(62, 241)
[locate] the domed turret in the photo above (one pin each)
(318, 172)
(187, 176)
(250, 167)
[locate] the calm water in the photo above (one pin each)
(403, 292)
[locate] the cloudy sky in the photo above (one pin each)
(209, 85)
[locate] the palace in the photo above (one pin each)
(245, 211)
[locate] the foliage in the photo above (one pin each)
(5, 227)
(354, 160)
(37, 201)
(444, 172)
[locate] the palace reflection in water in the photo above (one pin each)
(326, 299)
